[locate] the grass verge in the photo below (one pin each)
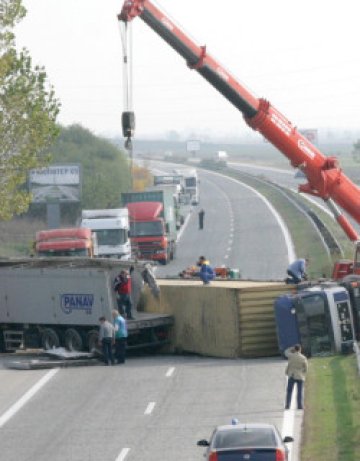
(332, 410)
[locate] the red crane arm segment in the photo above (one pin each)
(325, 178)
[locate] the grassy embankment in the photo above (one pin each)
(16, 236)
(332, 410)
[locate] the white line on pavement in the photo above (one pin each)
(122, 455)
(170, 372)
(150, 408)
(26, 397)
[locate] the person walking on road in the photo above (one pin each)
(121, 335)
(297, 271)
(296, 371)
(206, 272)
(201, 215)
(106, 340)
(122, 286)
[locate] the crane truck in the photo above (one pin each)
(325, 179)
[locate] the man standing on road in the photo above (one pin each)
(122, 286)
(296, 370)
(121, 335)
(297, 271)
(201, 219)
(106, 340)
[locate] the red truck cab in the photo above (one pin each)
(65, 242)
(148, 231)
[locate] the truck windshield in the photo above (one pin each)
(190, 182)
(77, 252)
(315, 324)
(111, 236)
(146, 228)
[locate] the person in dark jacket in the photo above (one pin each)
(201, 215)
(206, 272)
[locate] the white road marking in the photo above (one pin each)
(122, 455)
(26, 397)
(285, 231)
(150, 408)
(289, 422)
(170, 372)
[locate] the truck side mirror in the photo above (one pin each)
(167, 228)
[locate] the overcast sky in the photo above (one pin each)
(303, 56)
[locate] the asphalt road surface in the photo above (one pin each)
(240, 231)
(152, 408)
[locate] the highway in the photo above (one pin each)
(157, 407)
(241, 231)
(152, 408)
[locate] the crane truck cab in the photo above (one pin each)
(66, 242)
(111, 227)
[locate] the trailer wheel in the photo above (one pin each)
(92, 341)
(49, 339)
(73, 340)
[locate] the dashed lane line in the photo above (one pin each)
(26, 397)
(150, 408)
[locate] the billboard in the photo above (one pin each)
(55, 184)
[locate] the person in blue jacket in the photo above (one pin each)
(206, 272)
(297, 271)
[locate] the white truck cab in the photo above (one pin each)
(111, 227)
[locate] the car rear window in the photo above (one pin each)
(254, 437)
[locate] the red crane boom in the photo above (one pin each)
(325, 177)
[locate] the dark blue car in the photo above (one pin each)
(246, 442)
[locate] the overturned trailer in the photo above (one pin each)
(56, 302)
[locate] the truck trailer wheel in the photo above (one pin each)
(73, 340)
(49, 339)
(92, 341)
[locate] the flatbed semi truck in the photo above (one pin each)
(57, 302)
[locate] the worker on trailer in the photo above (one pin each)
(206, 272)
(297, 271)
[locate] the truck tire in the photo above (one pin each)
(49, 339)
(92, 341)
(73, 340)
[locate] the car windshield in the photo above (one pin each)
(245, 437)
(111, 236)
(146, 228)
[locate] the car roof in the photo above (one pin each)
(246, 426)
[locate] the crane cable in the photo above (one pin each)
(128, 116)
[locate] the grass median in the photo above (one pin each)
(331, 429)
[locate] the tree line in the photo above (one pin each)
(30, 136)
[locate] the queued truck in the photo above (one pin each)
(57, 302)
(111, 227)
(72, 241)
(152, 224)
